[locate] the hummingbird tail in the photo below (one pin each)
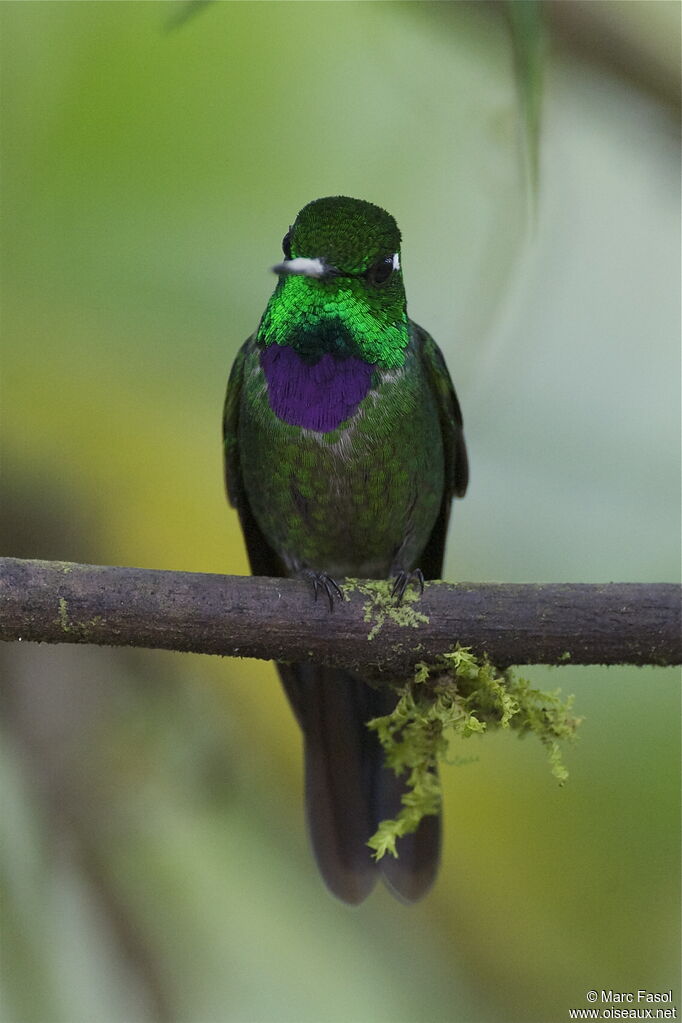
(348, 789)
(411, 875)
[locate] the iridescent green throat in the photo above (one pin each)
(343, 315)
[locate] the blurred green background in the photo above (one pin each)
(153, 857)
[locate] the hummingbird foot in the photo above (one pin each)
(323, 583)
(403, 580)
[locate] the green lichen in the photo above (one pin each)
(381, 605)
(459, 695)
(84, 630)
(63, 615)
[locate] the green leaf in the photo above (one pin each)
(527, 24)
(183, 11)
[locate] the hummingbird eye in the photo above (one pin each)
(380, 272)
(286, 244)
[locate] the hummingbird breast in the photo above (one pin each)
(342, 461)
(317, 394)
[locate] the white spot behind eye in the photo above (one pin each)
(396, 261)
(305, 267)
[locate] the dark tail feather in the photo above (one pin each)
(411, 875)
(331, 710)
(348, 790)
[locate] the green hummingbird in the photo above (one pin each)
(344, 448)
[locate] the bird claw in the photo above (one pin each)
(323, 582)
(403, 580)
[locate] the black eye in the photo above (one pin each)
(286, 244)
(382, 270)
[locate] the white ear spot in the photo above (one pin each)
(396, 261)
(304, 267)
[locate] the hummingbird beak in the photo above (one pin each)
(305, 268)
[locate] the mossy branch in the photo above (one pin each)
(277, 619)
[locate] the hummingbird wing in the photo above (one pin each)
(454, 448)
(262, 558)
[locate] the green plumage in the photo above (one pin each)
(360, 500)
(365, 491)
(351, 237)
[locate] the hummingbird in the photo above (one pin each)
(344, 448)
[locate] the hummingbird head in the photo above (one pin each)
(340, 286)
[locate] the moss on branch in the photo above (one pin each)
(459, 695)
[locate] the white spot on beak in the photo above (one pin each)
(302, 266)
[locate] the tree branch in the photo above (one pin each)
(277, 619)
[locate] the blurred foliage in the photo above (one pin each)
(153, 856)
(526, 18)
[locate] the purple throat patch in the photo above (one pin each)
(317, 396)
